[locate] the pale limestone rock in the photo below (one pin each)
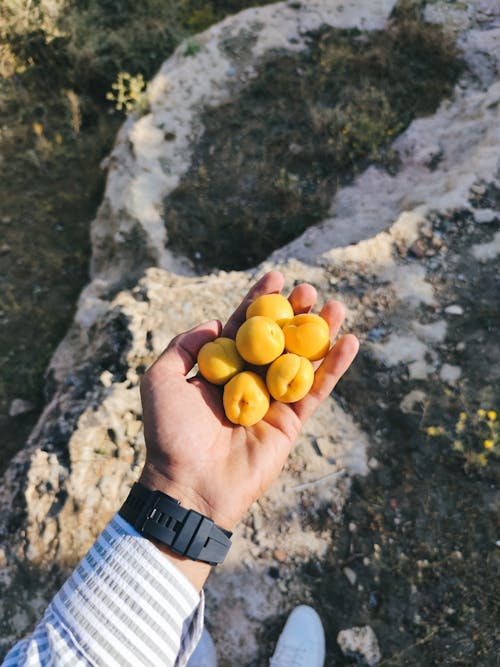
(350, 575)
(360, 642)
(485, 215)
(487, 251)
(413, 399)
(454, 309)
(450, 374)
(19, 406)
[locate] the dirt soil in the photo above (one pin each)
(421, 531)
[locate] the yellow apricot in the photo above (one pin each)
(246, 399)
(219, 360)
(289, 378)
(275, 306)
(260, 340)
(308, 336)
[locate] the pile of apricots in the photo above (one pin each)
(280, 344)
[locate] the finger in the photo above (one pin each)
(302, 298)
(271, 283)
(333, 367)
(182, 351)
(334, 313)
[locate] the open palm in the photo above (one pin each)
(192, 451)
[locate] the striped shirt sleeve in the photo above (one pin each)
(125, 604)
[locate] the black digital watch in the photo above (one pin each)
(185, 532)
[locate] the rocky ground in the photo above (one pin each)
(386, 515)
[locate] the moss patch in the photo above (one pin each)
(269, 163)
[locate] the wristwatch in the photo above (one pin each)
(185, 532)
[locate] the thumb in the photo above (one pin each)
(180, 355)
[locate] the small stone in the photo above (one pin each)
(373, 463)
(350, 575)
(280, 555)
(478, 189)
(417, 249)
(282, 587)
(401, 247)
(19, 407)
(295, 149)
(132, 429)
(414, 398)
(360, 642)
(106, 378)
(454, 309)
(5, 248)
(485, 215)
(449, 373)
(460, 347)
(258, 521)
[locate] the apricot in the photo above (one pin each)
(260, 340)
(219, 360)
(308, 336)
(246, 399)
(275, 306)
(289, 378)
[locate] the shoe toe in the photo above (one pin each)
(302, 642)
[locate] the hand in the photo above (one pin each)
(193, 452)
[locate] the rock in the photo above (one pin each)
(416, 397)
(280, 555)
(106, 378)
(350, 575)
(485, 215)
(454, 309)
(360, 643)
(418, 249)
(478, 189)
(373, 463)
(487, 251)
(450, 374)
(19, 406)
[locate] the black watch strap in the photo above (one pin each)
(186, 532)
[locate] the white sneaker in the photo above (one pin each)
(204, 654)
(302, 642)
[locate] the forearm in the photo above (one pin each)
(125, 604)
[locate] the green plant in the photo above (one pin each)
(192, 48)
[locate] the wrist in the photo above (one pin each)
(189, 498)
(192, 541)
